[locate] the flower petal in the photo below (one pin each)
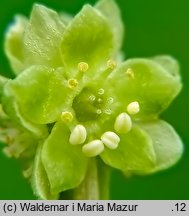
(14, 43)
(111, 11)
(148, 82)
(167, 144)
(40, 182)
(40, 93)
(64, 163)
(42, 37)
(11, 108)
(134, 154)
(169, 63)
(66, 17)
(3, 80)
(88, 38)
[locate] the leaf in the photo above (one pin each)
(40, 93)
(167, 144)
(13, 44)
(111, 11)
(64, 163)
(88, 38)
(42, 37)
(40, 182)
(148, 82)
(134, 154)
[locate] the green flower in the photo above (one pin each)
(75, 105)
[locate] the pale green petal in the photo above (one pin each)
(40, 93)
(40, 182)
(134, 154)
(167, 144)
(150, 83)
(14, 43)
(169, 63)
(43, 36)
(64, 163)
(65, 17)
(12, 109)
(111, 11)
(88, 38)
(3, 80)
(20, 144)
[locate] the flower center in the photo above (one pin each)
(92, 103)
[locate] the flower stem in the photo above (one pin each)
(104, 180)
(96, 183)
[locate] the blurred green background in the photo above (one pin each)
(152, 27)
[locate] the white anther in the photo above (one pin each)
(133, 108)
(130, 73)
(110, 100)
(110, 139)
(108, 111)
(101, 91)
(111, 64)
(78, 135)
(66, 116)
(123, 123)
(83, 66)
(93, 148)
(92, 98)
(72, 83)
(98, 111)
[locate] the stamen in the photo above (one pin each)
(130, 73)
(101, 91)
(111, 64)
(72, 83)
(108, 111)
(133, 108)
(123, 123)
(98, 111)
(83, 66)
(92, 98)
(110, 100)
(66, 116)
(78, 135)
(93, 148)
(110, 139)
